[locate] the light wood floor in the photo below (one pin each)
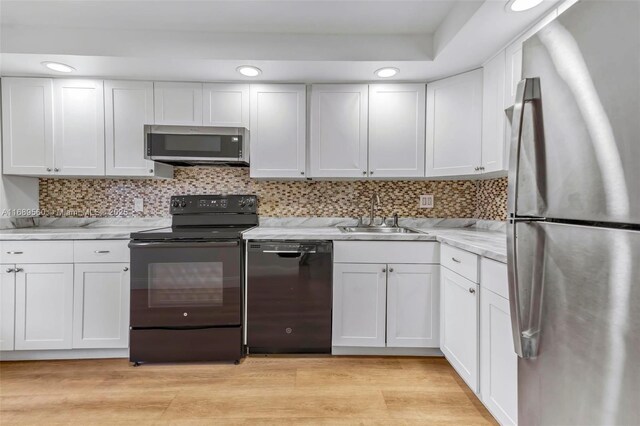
(261, 390)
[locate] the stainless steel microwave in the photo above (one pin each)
(193, 146)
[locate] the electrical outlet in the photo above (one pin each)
(426, 201)
(138, 204)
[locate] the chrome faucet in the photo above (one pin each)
(375, 202)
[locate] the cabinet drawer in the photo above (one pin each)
(493, 276)
(385, 252)
(99, 251)
(36, 252)
(460, 261)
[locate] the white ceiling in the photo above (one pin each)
(305, 17)
(300, 41)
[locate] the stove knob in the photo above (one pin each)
(175, 204)
(242, 203)
(183, 203)
(250, 203)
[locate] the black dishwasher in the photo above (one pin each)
(289, 296)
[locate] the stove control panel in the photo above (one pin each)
(190, 204)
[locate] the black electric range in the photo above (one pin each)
(186, 281)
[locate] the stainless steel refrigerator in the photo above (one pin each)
(574, 219)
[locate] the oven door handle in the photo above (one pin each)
(191, 244)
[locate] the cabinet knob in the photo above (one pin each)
(455, 260)
(10, 270)
(364, 172)
(56, 170)
(126, 268)
(150, 170)
(370, 173)
(384, 269)
(19, 270)
(472, 290)
(48, 169)
(302, 173)
(390, 269)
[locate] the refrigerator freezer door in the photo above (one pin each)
(588, 65)
(586, 370)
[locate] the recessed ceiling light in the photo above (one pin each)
(387, 72)
(522, 5)
(57, 66)
(249, 71)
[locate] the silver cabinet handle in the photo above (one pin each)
(9, 270)
(150, 170)
(390, 269)
(48, 169)
(472, 290)
(19, 270)
(476, 169)
(456, 260)
(15, 252)
(56, 169)
(125, 269)
(371, 172)
(102, 251)
(364, 172)
(302, 173)
(384, 269)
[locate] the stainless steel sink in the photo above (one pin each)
(377, 230)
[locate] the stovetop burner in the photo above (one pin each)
(206, 217)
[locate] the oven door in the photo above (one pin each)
(186, 284)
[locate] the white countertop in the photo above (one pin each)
(490, 244)
(75, 233)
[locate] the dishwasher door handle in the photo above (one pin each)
(289, 251)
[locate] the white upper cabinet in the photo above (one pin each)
(178, 103)
(493, 116)
(339, 120)
(454, 125)
(27, 125)
(78, 140)
(397, 130)
(128, 107)
(225, 105)
(278, 130)
(413, 306)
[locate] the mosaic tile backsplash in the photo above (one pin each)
(484, 199)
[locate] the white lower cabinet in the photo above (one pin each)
(101, 305)
(359, 304)
(7, 306)
(459, 325)
(413, 301)
(498, 361)
(44, 306)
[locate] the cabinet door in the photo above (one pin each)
(498, 361)
(278, 129)
(413, 306)
(44, 306)
(78, 127)
(128, 107)
(493, 116)
(7, 306)
(27, 126)
(359, 304)
(225, 105)
(459, 325)
(454, 125)
(178, 104)
(397, 130)
(101, 305)
(339, 119)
